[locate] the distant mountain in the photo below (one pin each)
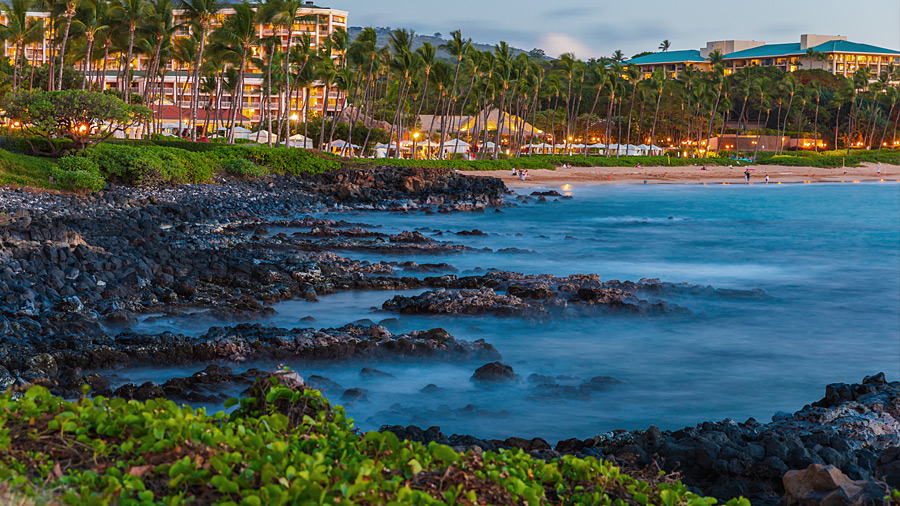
(418, 40)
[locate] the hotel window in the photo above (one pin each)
(754, 62)
(851, 57)
(795, 60)
(840, 67)
(781, 61)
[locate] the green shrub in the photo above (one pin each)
(79, 173)
(151, 164)
(278, 159)
(79, 179)
(280, 447)
(241, 167)
(75, 163)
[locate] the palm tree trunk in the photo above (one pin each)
(850, 126)
(87, 63)
(101, 79)
(884, 131)
(655, 118)
(816, 128)
(630, 112)
(239, 90)
(195, 90)
(62, 47)
(324, 110)
(500, 123)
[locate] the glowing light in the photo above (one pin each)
(294, 117)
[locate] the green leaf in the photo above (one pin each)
(443, 453)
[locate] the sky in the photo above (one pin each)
(595, 28)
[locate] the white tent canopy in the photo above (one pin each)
(340, 143)
(456, 142)
(263, 137)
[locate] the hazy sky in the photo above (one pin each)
(592, 28)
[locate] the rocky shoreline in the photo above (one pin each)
(77, 272)
(855, 428)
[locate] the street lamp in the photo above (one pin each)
(415, 141)
(293, 117)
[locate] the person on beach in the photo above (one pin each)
(514, 172)
(878, 170)
(747, 175)
(767, 179)
(703, 167)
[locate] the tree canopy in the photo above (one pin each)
(83, 117)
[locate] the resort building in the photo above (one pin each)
(175, 87)
(833, 53)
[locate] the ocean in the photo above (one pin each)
(827, 257)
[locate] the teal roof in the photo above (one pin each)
(793, 49)
(845, 46)
(767, 51)
(688, 55)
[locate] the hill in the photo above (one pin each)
(418, 40)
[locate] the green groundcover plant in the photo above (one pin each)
(280, 446)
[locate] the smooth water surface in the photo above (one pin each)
(827, 255)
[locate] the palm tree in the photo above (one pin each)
(618, 56)
(161, 28)
(504, 73)
(201, 13)
(892, 98)
(426, 54)
(130, 13)
(459, 48)
(664, 45)
(185, 53)
(20, 30)
(815, 90)
(599, 77)
(763, 89)
(657, 83)
(403, 66)
(70, 11)
(237, 36)
(91, 20)
(717, 75)
(632, 74)
(789, 86)
(325, 72)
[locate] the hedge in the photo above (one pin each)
(150, 164)
(280, 447)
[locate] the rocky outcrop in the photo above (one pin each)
(857, 432)
(59, 365)
(820, 485)
(493, 373)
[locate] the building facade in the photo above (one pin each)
(174, 88)
(833, 53)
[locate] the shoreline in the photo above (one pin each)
(104, 260)
(579, 176)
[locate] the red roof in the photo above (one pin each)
(173, 112)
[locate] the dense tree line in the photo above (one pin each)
(573, 101)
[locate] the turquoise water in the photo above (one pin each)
(828, 256)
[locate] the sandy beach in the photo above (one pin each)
(695, 175)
